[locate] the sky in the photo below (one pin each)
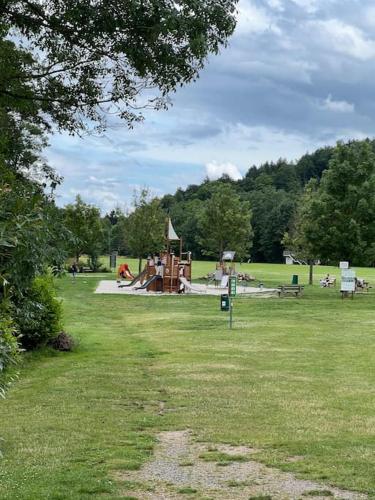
(296, 75)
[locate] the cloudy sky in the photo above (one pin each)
(297, 74)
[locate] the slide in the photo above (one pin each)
(135, 280)
(188, 286)
(148, 282)
(224, 281)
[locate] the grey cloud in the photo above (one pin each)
(281, 79)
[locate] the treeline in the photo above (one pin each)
(276, 206)
(272, 190)
(272, 193)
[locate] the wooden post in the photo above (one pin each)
(172, 272)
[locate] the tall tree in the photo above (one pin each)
(83, 221)
(224, 223)
(297, 237)
(336, 220)
(145, 226)
(86, 58)
(272, 211)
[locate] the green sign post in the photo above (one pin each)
(232, 292)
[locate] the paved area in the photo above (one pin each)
(112, 287)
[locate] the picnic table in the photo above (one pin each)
(291, 289)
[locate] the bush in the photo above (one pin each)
(38, 313)
(63, 342)
(9, 351)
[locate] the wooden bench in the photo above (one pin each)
(362, 286)
(84, 269)
(328, 283)
(292, 289)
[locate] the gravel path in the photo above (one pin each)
(176, 466)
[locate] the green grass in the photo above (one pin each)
(187, 490)
(318, 493)
(295, 377)
(215, 456)
(261, 497)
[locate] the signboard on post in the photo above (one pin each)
(232, 292)
(348, 280)
(232, 286)
(344, 265)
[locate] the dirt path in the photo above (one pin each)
(181, 469)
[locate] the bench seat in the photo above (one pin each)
(291, 289)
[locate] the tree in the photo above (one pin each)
(114, 231)
(185, 220)
(272, 210)
(145, 226)
(297, 237)
(31, 230)
(336, 219)
(224, 223)
(83, 221)
(313, 165)
(88, 58)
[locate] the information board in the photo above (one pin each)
(344, 265)
(348, 280)
(232, 286)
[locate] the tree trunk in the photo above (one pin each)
(311, 272)
(139, 265)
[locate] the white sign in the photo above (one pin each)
(344, 265)
(348, 280)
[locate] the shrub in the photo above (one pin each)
(38, 313)
(9, 351)
(63, 342)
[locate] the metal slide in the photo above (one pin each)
(148, 282)
(224, 281)
(188, 286)
(135, 280)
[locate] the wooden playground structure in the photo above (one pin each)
(168, 272)
(164, 274)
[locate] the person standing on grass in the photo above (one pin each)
(74, 270)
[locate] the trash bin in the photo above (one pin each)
(295, 279)
(112, 260)
(224, 302)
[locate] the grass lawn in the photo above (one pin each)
(295, 377)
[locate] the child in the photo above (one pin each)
(124, 272)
